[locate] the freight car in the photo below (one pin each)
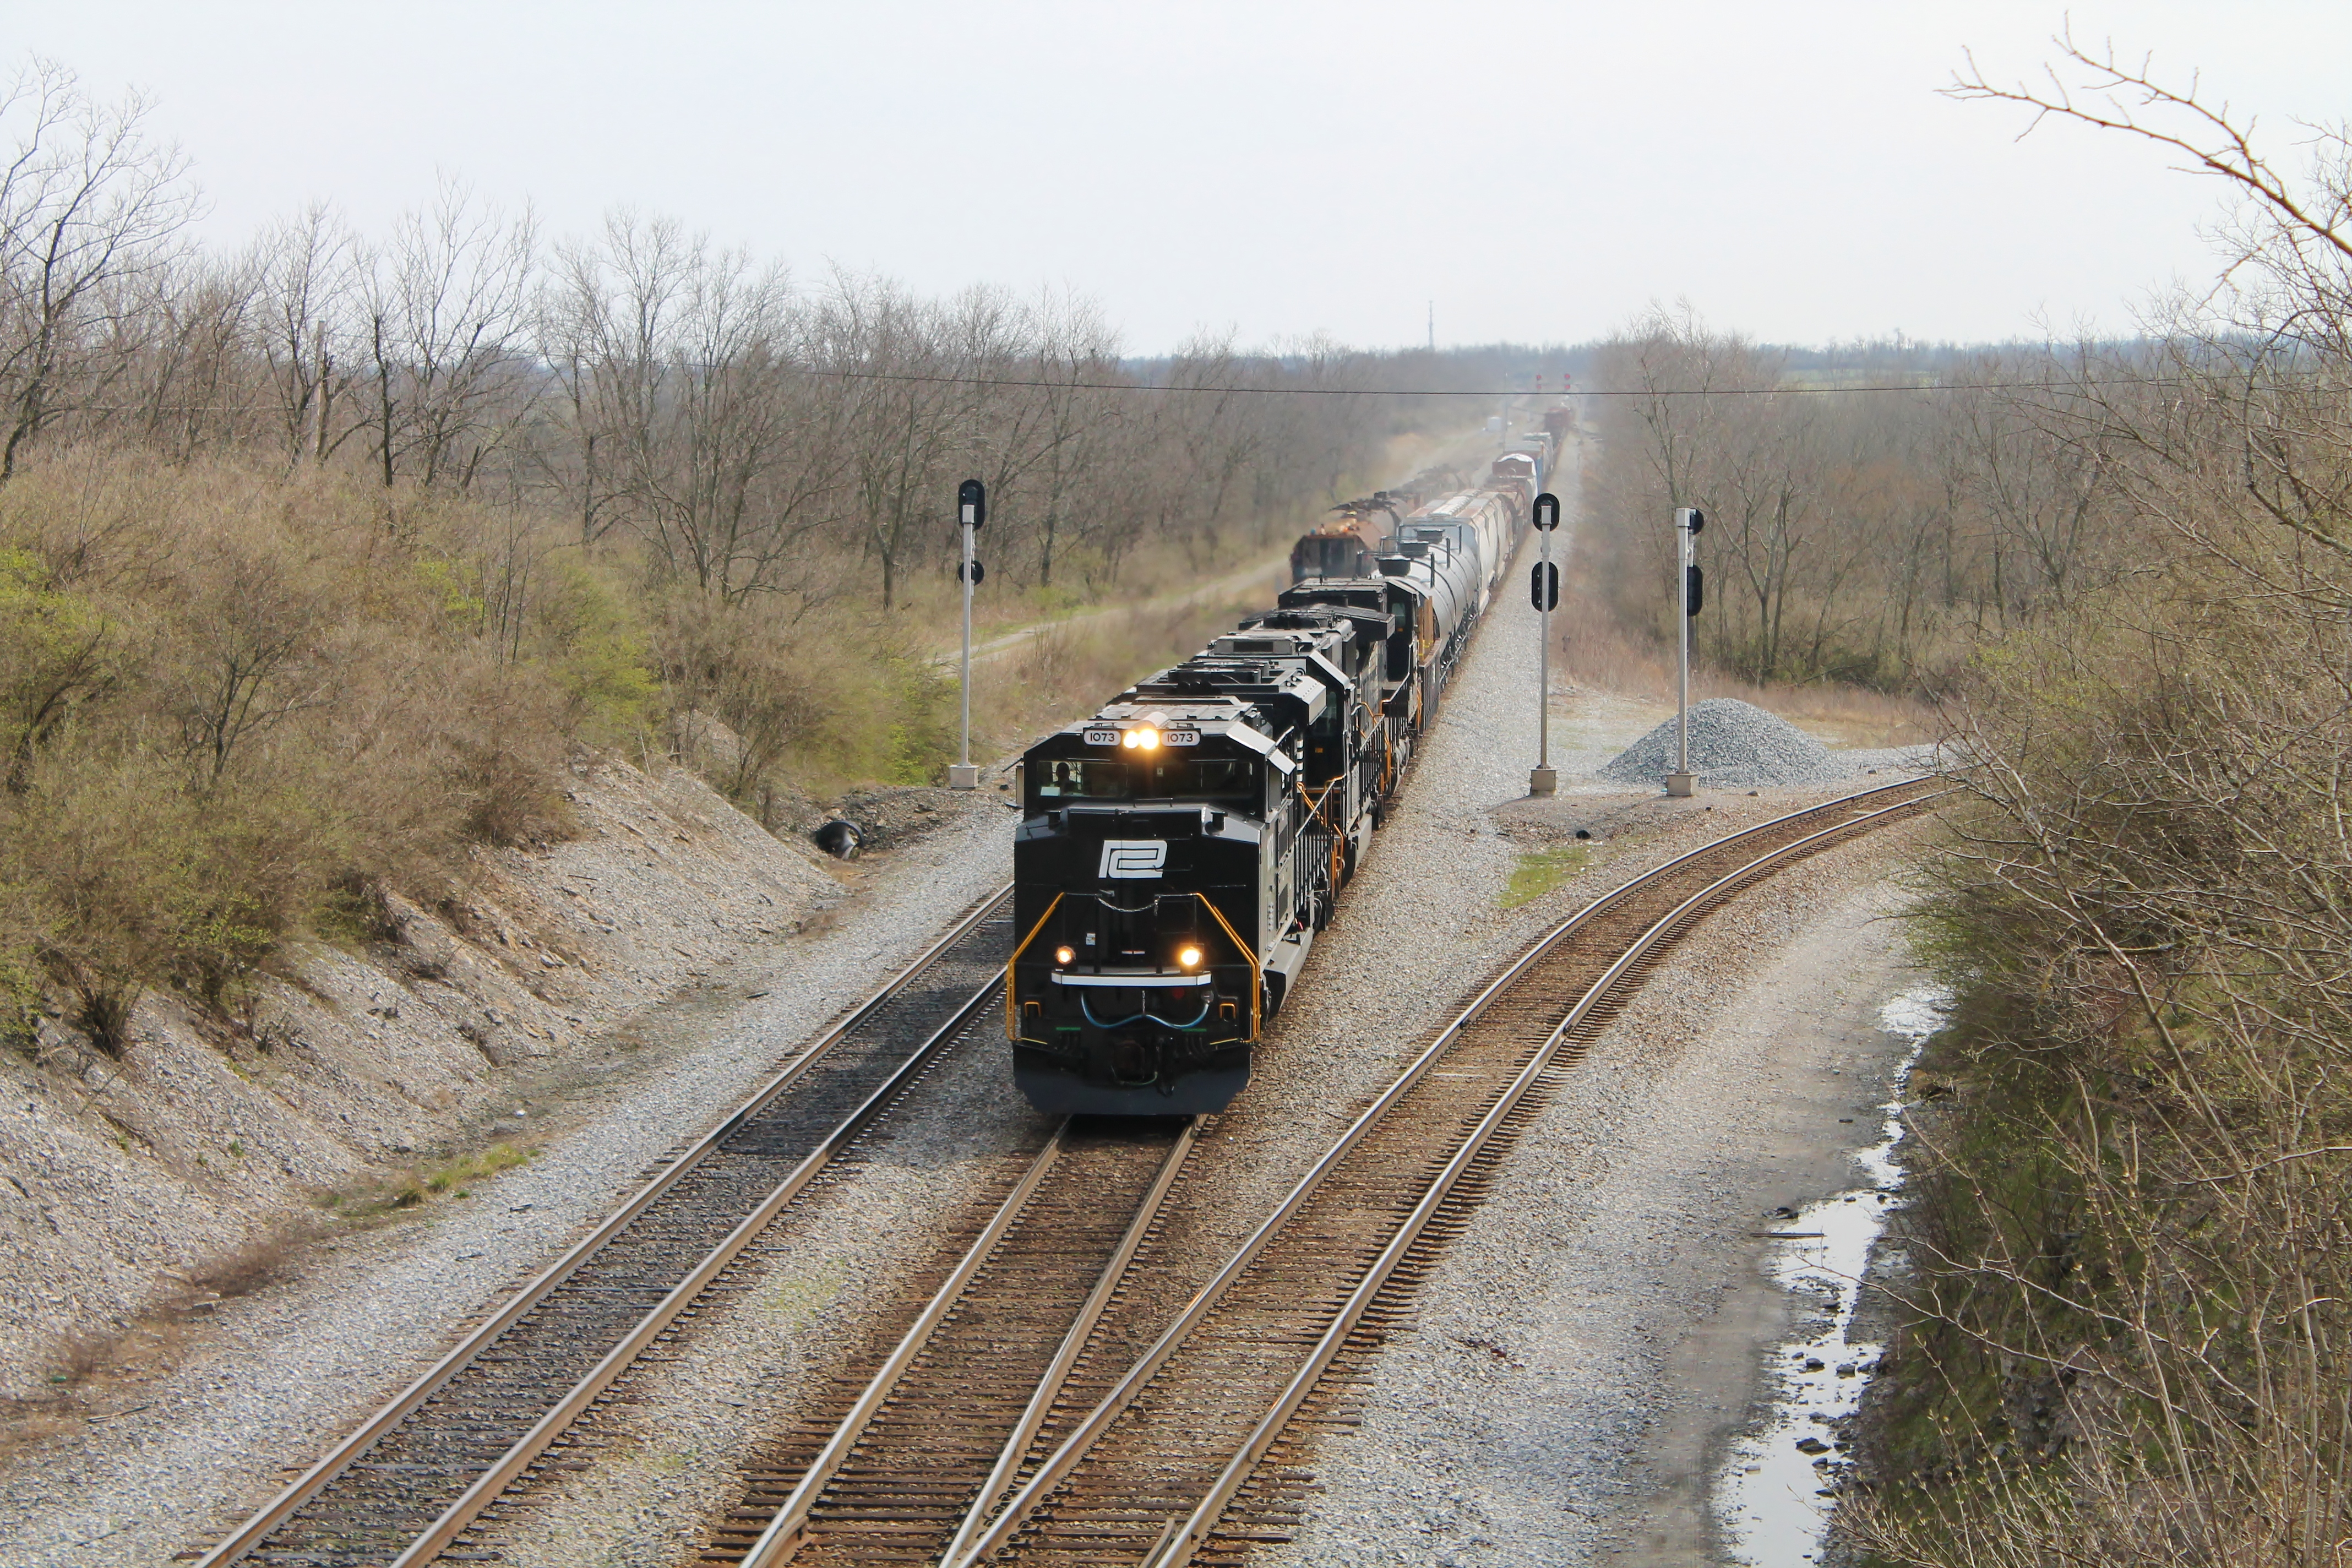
(1179, 850)
(1349, 541)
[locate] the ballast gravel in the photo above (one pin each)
(1733, 745)
(1578, 1361)
(273, 1379)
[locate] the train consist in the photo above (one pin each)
(1179, 851)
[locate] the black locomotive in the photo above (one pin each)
(1179, 851)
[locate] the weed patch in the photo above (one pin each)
(414, 1189)
(1542, 871)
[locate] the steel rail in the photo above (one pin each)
(290, 1500)
(782, 1538)
(786, 1532)
(1177, 1546)
(500, 1475)
(1006, 1524)
(1000, 1478)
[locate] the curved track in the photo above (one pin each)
(406, 1485)
(1153, 1472)
(1128, 1448)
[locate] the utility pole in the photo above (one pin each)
(1545, 590)
(1688, 521)
(972, 507)
(325, 384)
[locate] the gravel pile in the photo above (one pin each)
(1732, 743)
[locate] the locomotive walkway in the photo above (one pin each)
(1016, 1406)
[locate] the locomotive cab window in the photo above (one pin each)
(1217, 778)
(1079, 778)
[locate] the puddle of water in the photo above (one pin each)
(1770, 1496)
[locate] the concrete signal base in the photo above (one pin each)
(1543, 781)
(963, 775)
(1681, 785)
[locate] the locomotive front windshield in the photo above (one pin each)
(1085, 780)
(1164, 777)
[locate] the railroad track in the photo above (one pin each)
(1012, 1420)
(919, 1425)
(407, 1484)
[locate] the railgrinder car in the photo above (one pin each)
(1179, 850)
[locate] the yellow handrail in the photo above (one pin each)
(1321, 808)
(1013, 1028)
(1249, 956)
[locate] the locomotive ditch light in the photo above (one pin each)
(1066, 955)
(1189, 957)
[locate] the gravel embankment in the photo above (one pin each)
(125, 1179)
(173, 1455)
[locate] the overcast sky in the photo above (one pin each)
(1541, 171)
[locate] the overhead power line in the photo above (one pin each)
(1496, 392)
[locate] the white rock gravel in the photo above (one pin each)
(1733, 745)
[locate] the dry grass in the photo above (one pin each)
(245, 1269)
(390, 1196)
(94, 1376)
(1069, 670)
(1591, 648)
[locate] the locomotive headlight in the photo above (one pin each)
(1189, 957)
(1149, 739)
(1064, 955)
(1131, 740)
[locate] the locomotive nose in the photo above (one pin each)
(1132, 1059)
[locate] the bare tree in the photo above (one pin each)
(307, 283)
(905, 416)
(1076, 353)
(444, 305)
(88, 201)
(694, 421)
